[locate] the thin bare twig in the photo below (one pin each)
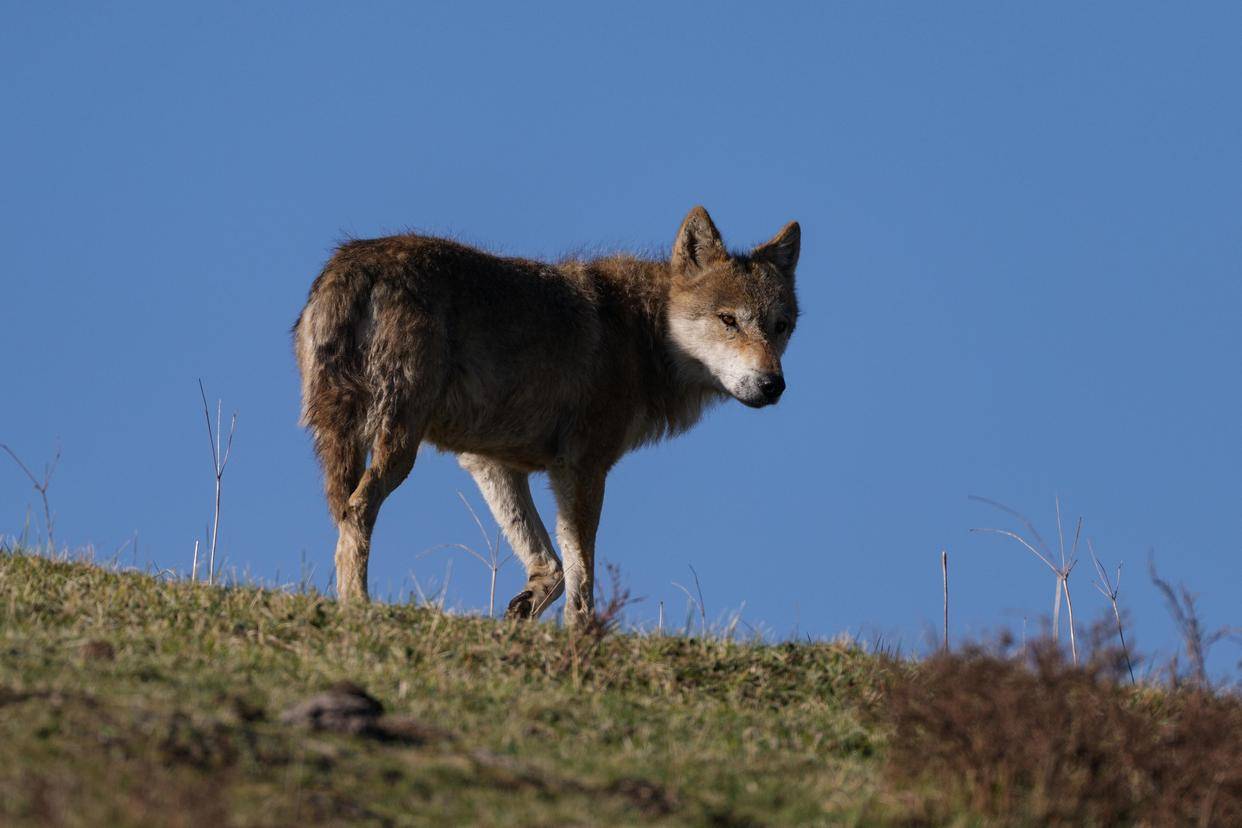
(1061, 572)
(473, 552)
(610, 603)
(218, 462)
(1056, 609)
(1196, 640)
(699, 588)
(444, 587)
(944, 570)
(1056, 499)
(41, 486)
(1069, 605)
(1077, 534)
(734, 621)
(1013, 513)
(1110, 589)
(493, 561)
(699, 601)
(477, 522)
(1066, 568)
(691, 602)
(422, 596)
(1022, 541)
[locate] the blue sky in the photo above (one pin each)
(1020, 278)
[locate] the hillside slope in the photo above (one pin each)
(129, 700)
(125, 699)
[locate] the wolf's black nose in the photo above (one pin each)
(772, 386)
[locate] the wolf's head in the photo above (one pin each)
(730, 315)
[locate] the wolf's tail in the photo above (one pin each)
(329, 344)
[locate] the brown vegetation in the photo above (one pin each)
(1040, 741)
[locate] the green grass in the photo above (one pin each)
(127, 699)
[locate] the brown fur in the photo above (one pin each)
(518, 366)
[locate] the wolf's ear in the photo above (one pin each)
(783, 249)
(698, 243)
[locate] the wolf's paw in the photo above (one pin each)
(538, 596)
(521, 606)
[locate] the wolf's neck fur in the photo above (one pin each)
(672, 395)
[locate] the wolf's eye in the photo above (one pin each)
(728, 319)
(782, 326)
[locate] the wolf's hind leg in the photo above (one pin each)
(392, 457)
(507, 492)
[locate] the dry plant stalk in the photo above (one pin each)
(218, 462)
(610, 606)
(1110, 589)
(1195, 639)
(944, 571)
(41, 486)
(441, 594)
(493, 561)
(1061, 572)
(692, 600)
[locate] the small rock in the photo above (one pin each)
(347, 708)
(342, 708)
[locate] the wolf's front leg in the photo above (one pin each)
(579, 496)
(507, 492)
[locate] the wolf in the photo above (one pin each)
(520, 366)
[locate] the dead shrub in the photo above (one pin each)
(1040, 741)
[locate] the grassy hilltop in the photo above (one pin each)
(125, 699)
